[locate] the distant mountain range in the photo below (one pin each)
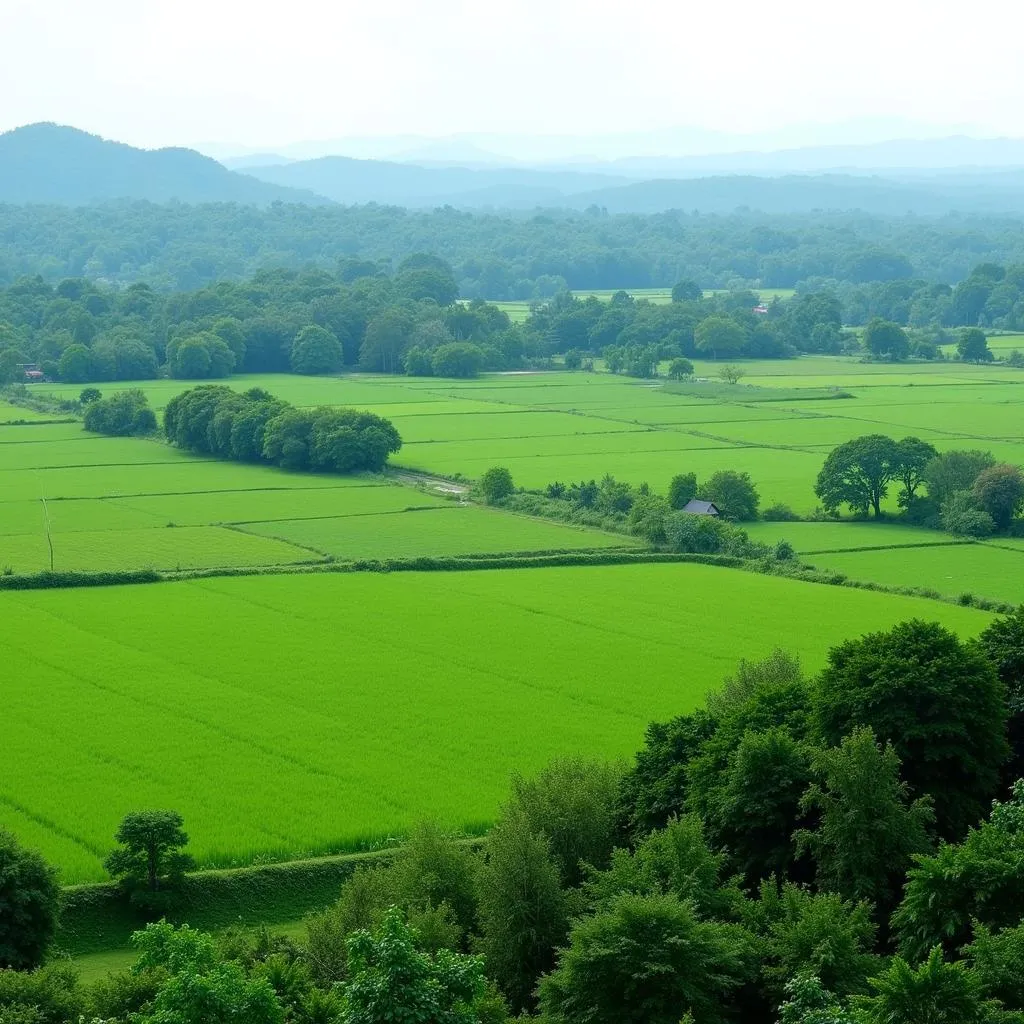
(46, 163)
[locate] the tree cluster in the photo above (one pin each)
(309, 322)
(253, 426)
(965, 491)
(120, 415)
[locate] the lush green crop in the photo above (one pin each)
(450, 530)
(808, 538)
(978, 569)
(293, 714)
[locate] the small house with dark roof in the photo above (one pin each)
(696, 507)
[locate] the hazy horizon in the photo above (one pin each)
(240, 79)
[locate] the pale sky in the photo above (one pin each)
(260, 74)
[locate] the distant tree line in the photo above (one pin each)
(254, 426)
(534, 255)
(360, 317)
(842, 848)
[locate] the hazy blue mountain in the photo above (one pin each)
(995, 192)
(48, 163)
(346, 180)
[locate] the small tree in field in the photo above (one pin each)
(496, 484)
(731, 374)
(680, 369)
(29, 902)
(150, 862)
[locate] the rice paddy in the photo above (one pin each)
(287, 715)
(291, 714)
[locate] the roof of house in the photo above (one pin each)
(701, 508)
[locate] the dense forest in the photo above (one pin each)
(176, 247)
(314, 321)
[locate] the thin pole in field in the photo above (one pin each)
(46, 521)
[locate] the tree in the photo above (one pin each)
(88, 395)
(687, 291)
(820, 933)
(522, 909)
(121, 414)
(972, 346)
(734, 494)
(392, 980)
(911, 458)
(76, 365)
(682, 489)
(1003, 644)
(496, 484)
(200, 987)
(886, 339)
(954, 471)
(857, 474)
(150, 862)
(457, 359)
(680, 369)
(868, 829)
(732, 374)
(976, 881)
(936, 992)
(386, 337)
(315, 350)
(961, 515)
(809, 1002)
(937, 700)
(719, 335)
(999, 491)
(997, 960)
(647, 960)
(574, 804)
(417, 362)
(29, 905)
(756, 807)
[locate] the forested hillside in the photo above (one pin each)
(495, 256)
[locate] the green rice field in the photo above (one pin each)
(76, 501)
(286, 715)
(778, 423)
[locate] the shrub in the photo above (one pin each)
(457, 359)
(961, 515)
(120, 415)
(779, 513)
(496, 484)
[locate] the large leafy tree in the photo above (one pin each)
(29, 905)
(868, 829)
(858, 474)
(733, 493)
(978, 880)
(315, 350)
(1003, 643)
(885, 339)
(720, 335)
(937, 700)
(935, 992)
(912, 456)
(999, 491)
(522, 909)
(647, 960)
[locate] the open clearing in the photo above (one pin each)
(285, 715)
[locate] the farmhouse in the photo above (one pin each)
(697, 507)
